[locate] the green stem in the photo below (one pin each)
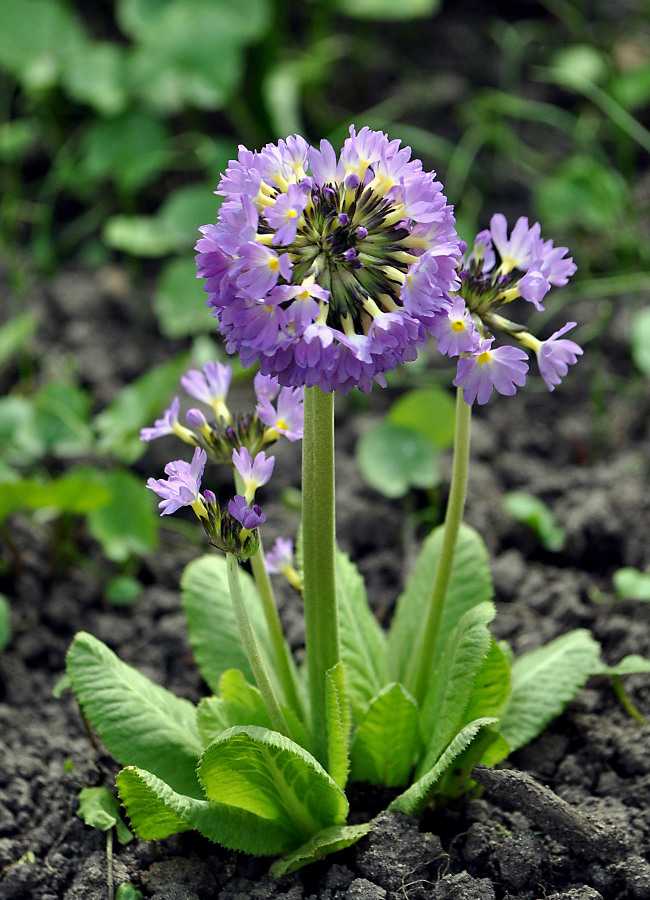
(318, 544)
(420, 672)
(283, 662)
(253, 654)
(625, 701)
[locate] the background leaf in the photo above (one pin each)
(387, 739)
(394, 458)
(100, 809)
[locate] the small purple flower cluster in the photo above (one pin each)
(329, 270)
(498, 270)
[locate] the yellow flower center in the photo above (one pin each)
(458, 325)
(484, 357)
(274, 264)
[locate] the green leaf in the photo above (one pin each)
(453, 679)
(393, 459)
(211, 718)
(129, 150)
(128, 524)
(156, 812)
(72, 493)
(330, 840)
(15, 334)
(127, 891)
(141, 723)
(470, 584)
(339, 723)
(544, 682)
(534, 513)
(5, 624)
(492, 687)
(211, 623)
(387, 10)
(631, 584)
(387, 740)
(95, 75)
(100, 809)
(582, 193)
(122, 590)
(138, 405)
(415, 798)
(431, 411)
(629, 665)
(363, 645)
(61, 418)
(269, 776)
(179, 300)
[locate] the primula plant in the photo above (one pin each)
(329, 271)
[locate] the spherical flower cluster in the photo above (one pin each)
(329, 270)
(498, 270)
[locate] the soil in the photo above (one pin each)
(583, 450)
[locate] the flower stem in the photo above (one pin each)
(420, 673)
(318, 541)
(283, 662)
(253, 654)
(625, 701)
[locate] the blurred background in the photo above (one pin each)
(117, 117)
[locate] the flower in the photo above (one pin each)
(254, 472)
(502, 368)
(168, 424)
(454, 329)
(249, 518)
(210, 386)
(287, 419)
(555, 356)
(328, 270)
(182, 486)
(280, 557)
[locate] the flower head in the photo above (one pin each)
(210, 386)
(249, 518)
(254, 472)
(455, 330)
(168, 424)
(287, 419)
(182, 485)
(318, 288)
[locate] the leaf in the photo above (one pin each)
(430, 411)
(95, 75)
(141, 723)
(15, 333)
(534, 513)
(122, 590)
(100, 809)
(339, 722)
(211, 624)
(179, 300)
(387, 10)
(394, 458)
(130, 150)
(128, 524)
(362, 639)
(632, 584)
(629, 665)
(387, 740)
(492, 687)
(415, 798)
(269, 776)
(135, 406)
(330, 840)
(451, 685)
(156, 812)
(470, 584)
(72, 493)
(544, 682)
(127, 891)
(5, 624)
(61, 418)
(211, 718)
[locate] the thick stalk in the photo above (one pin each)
(420, 673)
(284, 668)
(252, 650)
(318, 544)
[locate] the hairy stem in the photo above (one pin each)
(253, 654)
(318, 539)
(420, 673)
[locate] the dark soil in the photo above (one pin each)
(584, 450)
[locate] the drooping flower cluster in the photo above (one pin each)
(498, 270)
(229, 438)
(329, 270)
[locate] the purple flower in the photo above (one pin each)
(182, 485)
(287, 419)
(168, 424)
(254, 472)
(280, 556)
(516, 252)
(503, 368)
(534, 286)
(265, 386)
(209, 386)
(321, 293)
(555, 356)
(249, 518)
(454, 329)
